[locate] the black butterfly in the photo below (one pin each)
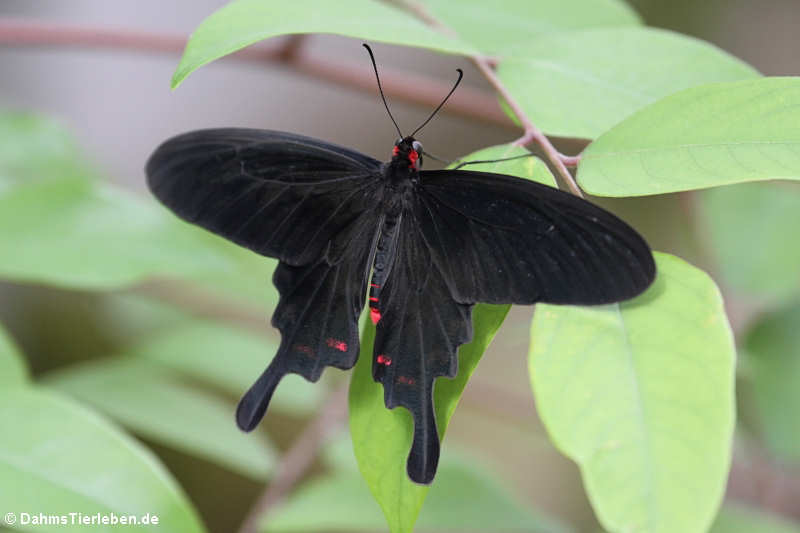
(424, 245)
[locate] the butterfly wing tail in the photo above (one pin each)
(424, 456)
(254, 403)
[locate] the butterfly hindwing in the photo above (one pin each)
(318, 319)
(501, 239)
(281, 195)
(420, 329)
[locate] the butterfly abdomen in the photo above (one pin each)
(385, 252)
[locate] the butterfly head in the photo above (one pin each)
(408, 150)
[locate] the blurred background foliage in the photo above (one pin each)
(152, 351)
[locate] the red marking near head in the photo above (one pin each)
(302, 348)
(405, 380)
(413, 156)
(374, 315)
(383, 360)
(337, 344)
(395, 150)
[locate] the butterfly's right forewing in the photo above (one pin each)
(279, 194)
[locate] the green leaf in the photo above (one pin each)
(227, 357)
(382, 437)
(581, 83)
(60, 226)
(641, 396)
(463, 498)
(73, 233)
(32, 148)
(57, 458)
(496, 27)
(13, 371)
(773, 349)
(701, 137)
(740, 519)
(530, 167)
(752, 226)
(148, 400)
(244, 22)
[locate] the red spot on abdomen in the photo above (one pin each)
(374, 315)
(405, 380)
(336, 344)
(383, 360)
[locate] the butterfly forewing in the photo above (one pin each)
(500, 239)
(279, 194)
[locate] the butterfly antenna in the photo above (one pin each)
(460, 75)
(380, 89)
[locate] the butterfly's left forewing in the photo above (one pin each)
(502, 239)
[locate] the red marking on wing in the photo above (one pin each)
(373, 285)
(303, 348)
(374, 315)
(373, 299)
(383, 360)
(337, 344)
(405, 380)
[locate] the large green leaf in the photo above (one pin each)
(773, 356)
(529, 167)
(74, 233)
(496, 27)
(13, 371)
(227, 357)
(641, 396)
(60, 226)
(740, 519)
(57, 458)
(581, 83)
(33, 148)
(701, 137)
(147, 399)
(382, 437)
(464, 498)
(753, 229)
(244, 22)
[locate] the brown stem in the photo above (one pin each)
(296, 462)
(531, 133)
(398, 85)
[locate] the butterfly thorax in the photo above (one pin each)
(403, 170)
